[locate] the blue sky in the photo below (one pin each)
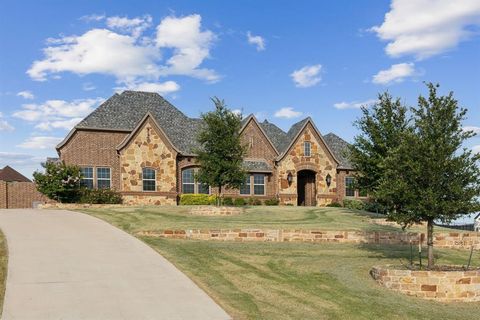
(282, 60)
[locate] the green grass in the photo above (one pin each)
(290, 280)
(3, 268)
(161, 218)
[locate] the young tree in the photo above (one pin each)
(430, 175)
(380, 127)
(60, 182)
(221, 155)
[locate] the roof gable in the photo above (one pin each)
(251, 118)
(9, 174)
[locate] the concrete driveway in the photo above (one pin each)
(67, 265)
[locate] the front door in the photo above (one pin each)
(306, 191)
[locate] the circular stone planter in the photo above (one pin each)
(445, 286)
(215, 211)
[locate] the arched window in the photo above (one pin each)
(149, 179)
(189, 185)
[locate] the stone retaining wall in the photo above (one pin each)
(215, 211)
(73, 206)
(445, 286)
(441, 240)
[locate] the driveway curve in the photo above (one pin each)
(67, 265)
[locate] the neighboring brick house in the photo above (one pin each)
(142, 146)
(17, 191)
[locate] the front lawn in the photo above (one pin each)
(162, 218)
(290, 280)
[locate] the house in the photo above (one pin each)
(17, 191)
(141, 145)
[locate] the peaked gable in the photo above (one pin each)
(9, 174)
(252, 128)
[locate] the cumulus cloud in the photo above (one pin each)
(396, 73)
(472, 128)
(476, 149)
(57, 114)
(257, 41)
(307, 76)
(424, 28)
(92, 17)
(18, 159)
(40, 142)
(354, 104)
(119, 50)
(287, 113)
(4, 125)
(161, 88)
(26, 95)
(88, 86)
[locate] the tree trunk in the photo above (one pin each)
(430, 243)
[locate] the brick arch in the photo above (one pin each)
(306, 166)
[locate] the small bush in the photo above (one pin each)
(334, 205)
(354, 204)
(239, 202)
(375, 207)
(227, 201)
(254, 202)
(197, 199)
(60, 182)
(100, 196)
(272, 202)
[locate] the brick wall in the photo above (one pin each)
(95, 149)
(19, 195)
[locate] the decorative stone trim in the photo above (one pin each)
(445, 286)
(441, 240)
(215, 211)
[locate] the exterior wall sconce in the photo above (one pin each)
(328, 180)
(289, 178)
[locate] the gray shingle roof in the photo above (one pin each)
(124, 111)
(256, 165)
(339, 148)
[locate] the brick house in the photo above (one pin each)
(141, 145)
(17, 191)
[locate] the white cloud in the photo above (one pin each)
(161, 88)
(472, 128)
(258, 41)
(40, 142)
(354, 104)
(424, 28)
(287, 113)
(87, 86)
(129, 57)
(396, 73)
(135, 26)
(476, 149)
(307, 76)
(18, 159)
(26, 95)
(4, 125)
(55, 114)
(92, 17)
(237, 111)
(191, 46)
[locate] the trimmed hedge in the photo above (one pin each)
(354, 204)
(254, 202)
(334, 205)
(100, 196)
(227, 201)
(271, 202)
(197, 199)
(239, 202)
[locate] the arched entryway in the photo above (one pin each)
(306, 190)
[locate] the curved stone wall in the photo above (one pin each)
(445, 286)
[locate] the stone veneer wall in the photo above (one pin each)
(441, 240)
(445, 286)
(149, 148)
(320, 162)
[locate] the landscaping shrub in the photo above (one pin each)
(227, 201)
(334, 205)
(354, 204)
(100, 196)
(254, 202)
(272, 202)
(239, 202)
(60, 182)
(197, 199)
(375, 207)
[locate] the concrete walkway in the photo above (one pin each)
(66, 265)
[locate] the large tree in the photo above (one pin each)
(221, 153)
(430, 175)
(380, 129)
(60, 182)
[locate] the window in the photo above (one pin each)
(349, 188)
(87, 177)
(149, 181)
(259, 184)
(189, 185)
(245, 187)
(306, 149)
(103, 178)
